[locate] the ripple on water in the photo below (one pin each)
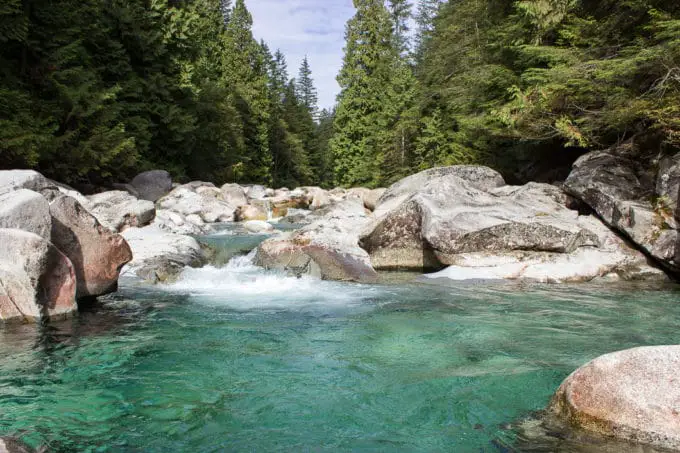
(239, 359)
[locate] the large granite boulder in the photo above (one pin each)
(25, 210)
(36, 279)
(371, 198)
(632, 395)
(203, 201)
(508, 232)
(477, 177)
(173, 222)
(24, 179)
(97, 254)
(152, 185)
(255, 192)
(257, 211)
(117, 210)
(234, 195)
(621, 190)
(160, 256)
(327, 248)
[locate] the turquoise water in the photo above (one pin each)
(237, 359)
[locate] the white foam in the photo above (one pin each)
(242, 285)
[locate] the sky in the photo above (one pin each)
(315, 28)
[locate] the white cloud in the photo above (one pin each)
(315, 28)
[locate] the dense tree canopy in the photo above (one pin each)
(97, 90)
(93, 91)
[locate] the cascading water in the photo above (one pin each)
(236, 358)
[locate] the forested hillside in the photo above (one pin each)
(95, 90)
(524, 86)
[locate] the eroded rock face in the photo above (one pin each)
(327, 248)
(36, 279)
(477, 177)
(152, 185)
(118, 210)
(509, 232)
(160, 256)
(623, 194)
(97, 254)
(25, 210)
(632, 395)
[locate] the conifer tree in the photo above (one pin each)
(305, 89)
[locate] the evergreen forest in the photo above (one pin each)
(95, 91)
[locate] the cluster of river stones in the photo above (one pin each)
(612, 219)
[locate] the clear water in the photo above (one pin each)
(237, 359)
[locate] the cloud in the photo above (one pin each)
(315, 28)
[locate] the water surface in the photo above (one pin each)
(239, 359)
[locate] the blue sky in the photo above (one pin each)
(315, 28)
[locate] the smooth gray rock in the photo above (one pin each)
(24, 179)
(25, 210)
(620, 191)
(152, 185)
(477, 177)
(511, 232)
(632, 395)
(36, 279)
(118, 210)
(185, 201)
(328, 248)
(256, 192)
(234, 195)
(160, 256)
(97, 254)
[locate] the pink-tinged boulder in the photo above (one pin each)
(36, 279)
(327, 248)
(97, 254)
(632, 395)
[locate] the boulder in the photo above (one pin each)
(256, 192)
(477, 177)
(251, 212)
(173, 222)
(184, 200)
(36, 279)
(117, 210)
(320, 199)
(24, 179)
(632, 395)
(97, 254)
(152, 185)
(160, 256)
(25, 210)
(371, 198)
(510, 232)
(258, 226)
(668, 186)
(10, 444)
(327, 248)
(619, 189)
(234, 195)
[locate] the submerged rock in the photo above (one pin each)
(327, 248)
(117, 210)
(160, 256)
(97, 254)
(152, 185)
(36, 279)
(13, 445)
(632, 395)
(25, 210)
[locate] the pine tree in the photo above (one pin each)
(305, 89)
(360, 118)
(427, 12)
(246, 75)
(400, 13)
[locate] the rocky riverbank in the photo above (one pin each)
(609, 221)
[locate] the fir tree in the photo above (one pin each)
(305, 89)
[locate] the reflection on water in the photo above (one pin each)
(233, 358)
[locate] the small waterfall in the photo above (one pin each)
(269, 209)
